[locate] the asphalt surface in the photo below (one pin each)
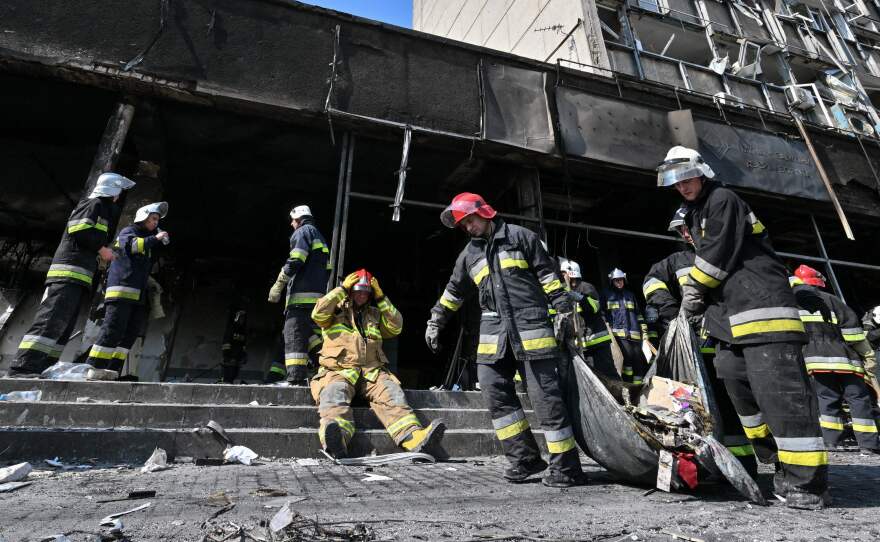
(455, 501)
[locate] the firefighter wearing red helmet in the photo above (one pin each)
(836, 358)
(353, 364)
(513, 277)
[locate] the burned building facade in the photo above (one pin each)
(234, 111)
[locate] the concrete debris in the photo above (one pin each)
(12, 486)
(116, 526)
(372, 477)
(254, 403)
(15, 473)
(133, 495)
(376, 460)
(21, 396)
(108, 521)
(308, 462)
(218, 499)
(270, 492)
(157, 461)
(223, 510)
(239, 454)
(219, 432)
(282, 518)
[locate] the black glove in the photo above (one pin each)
(810, 301)
(692, 303)
(432, 331)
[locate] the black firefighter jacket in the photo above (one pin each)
(514, 277)
(128, 274)
(662, 284)
(87, 231)
(748, 297)
(308, 266)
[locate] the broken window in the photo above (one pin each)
(720, 17)
(685, 10)
(657, 6)
(609, 19)
(748, 63)
(750, 22)
(672, 40)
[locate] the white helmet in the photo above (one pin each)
(110, 185)
(571, 267)
(682, 163)
(144, 212)
(875, 315)
(616, 273)
(300, 211)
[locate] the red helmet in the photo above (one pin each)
(810, 276)
(466, 204)
(363, 283)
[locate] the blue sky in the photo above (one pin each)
(397, 12)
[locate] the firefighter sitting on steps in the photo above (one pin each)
(353, 363)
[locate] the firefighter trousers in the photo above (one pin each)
(123, 324)
(233, 359)
(42, 345)
(509, 419)
(302, 340)
(333, 391)
(832, 389)
(770, 389)
(634, 363)
(733, 436)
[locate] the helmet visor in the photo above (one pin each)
(457, 210)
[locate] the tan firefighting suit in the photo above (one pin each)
(353, 363)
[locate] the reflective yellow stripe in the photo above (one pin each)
(487, 348)
(864, 428)
(290, 362)
(449, 304)
(352, 375)
(537, 344)
(741, 451)
(55, 273)
(320, 245)
(510, 262)
(277, 369)
(407, 421)
(659, 285)
(80, 227)
(512, 430)
(804, 459)
(138, 247)
(100, 352)
(122, 294)
(757, 227)
(484, 272)
(831, 425)
(561, 447)
(346, 425)
(101, 226)
(854, 337)
(552, 286)
(703, 278)
(372, 375)
(760, 431)
(842, 367)
(33, 345)
(767, 326)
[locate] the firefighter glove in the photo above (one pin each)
(692, 303)
(563, 326)
(277, 289)
(377, 291)
(350, 281)
(432, 336)
(811, 302)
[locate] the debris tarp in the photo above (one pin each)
(624, 432)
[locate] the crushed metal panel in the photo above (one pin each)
(612, 130)
(515, 108)
(759, 160)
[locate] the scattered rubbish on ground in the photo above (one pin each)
(219, 512)
(218, 498)
(85, 400)
(65, 370)
(219, 432)
(376, 460)
(12, 486)
(55, 463)
(116, 527)
(133, 495)
(270, 492)
(239, 454)
(373, 477)
(451, 468)
(109, 520)
(177, 522)
(288, 525)
(308, 462)
(157, 461)
(59, 465)
(282, 519)
(254, 403)
(676, 536)
(55, 538)
(21, 396)
(15, 473)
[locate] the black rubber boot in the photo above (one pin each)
(519, 473)
(561, 480)
(334, 441)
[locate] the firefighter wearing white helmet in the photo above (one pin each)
(742, 286)
(304, 275)
(596, 342)
(624, 314)
(125, 296)
(70, 277)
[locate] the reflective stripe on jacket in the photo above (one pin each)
(747, 295)
(75, 259)
(829, 349)
(308, 266)
(353, 338)
(595, 330)
(514, 277)
(128, 273)
(622, 313)
(662, 286)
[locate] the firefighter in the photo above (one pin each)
(741, 285)
(835, 359)
(125, 298)
(871, 325)
(596, 340)
(69, 280)
(305, 275)
(353, 364)
(627, 322)
(234, 346)
(662, 290)
(513, 277)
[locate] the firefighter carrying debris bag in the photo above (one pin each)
(70, 276)
(513, 277)
(353, 364)
(742, 286)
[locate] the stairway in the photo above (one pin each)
(125, 421)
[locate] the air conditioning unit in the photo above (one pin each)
(799, 98)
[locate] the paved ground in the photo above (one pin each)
(447, 501)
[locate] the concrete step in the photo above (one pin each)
(134, 445)
(216, 394)
(60, 415)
